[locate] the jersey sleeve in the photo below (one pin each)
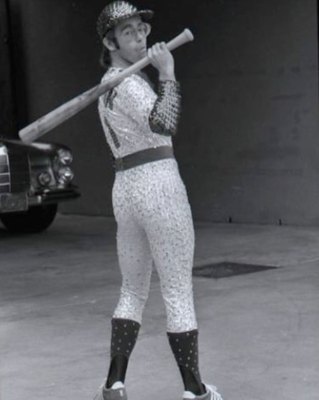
(165, 114)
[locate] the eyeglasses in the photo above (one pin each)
(129, 33)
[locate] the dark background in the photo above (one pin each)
(248, 139)
(7, 115)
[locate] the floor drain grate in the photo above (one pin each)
(227, 269)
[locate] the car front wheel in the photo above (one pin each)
(36, 219)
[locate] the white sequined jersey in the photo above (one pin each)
(126, 109)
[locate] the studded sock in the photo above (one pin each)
(124, 335)
(185, 349)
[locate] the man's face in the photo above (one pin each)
(131, 38)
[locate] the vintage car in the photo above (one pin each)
(34, 178)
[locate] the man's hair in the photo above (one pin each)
(105, 56)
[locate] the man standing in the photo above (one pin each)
(150, 202)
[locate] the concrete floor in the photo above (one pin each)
(258, 332)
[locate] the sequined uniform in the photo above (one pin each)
(150, 201)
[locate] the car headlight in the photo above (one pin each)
(44, 178)
(65, 175)
(65, 156)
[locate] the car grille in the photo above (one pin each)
(14, 170)
(4, 171)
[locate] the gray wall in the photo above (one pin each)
(248, 140)
(255, 124)
(7, 120)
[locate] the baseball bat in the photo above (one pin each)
(67, 110)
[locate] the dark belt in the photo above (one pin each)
(143, 157)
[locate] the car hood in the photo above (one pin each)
(33, 148)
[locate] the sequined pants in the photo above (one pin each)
(155, 225)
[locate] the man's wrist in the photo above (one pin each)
(167, 76)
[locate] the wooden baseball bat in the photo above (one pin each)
(69, 109)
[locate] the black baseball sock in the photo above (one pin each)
(124, 335)
(185, 348)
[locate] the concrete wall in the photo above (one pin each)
(7, 120)
(248, 140)
(255, 124)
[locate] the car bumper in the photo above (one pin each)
(56, 196)
(17, 202)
